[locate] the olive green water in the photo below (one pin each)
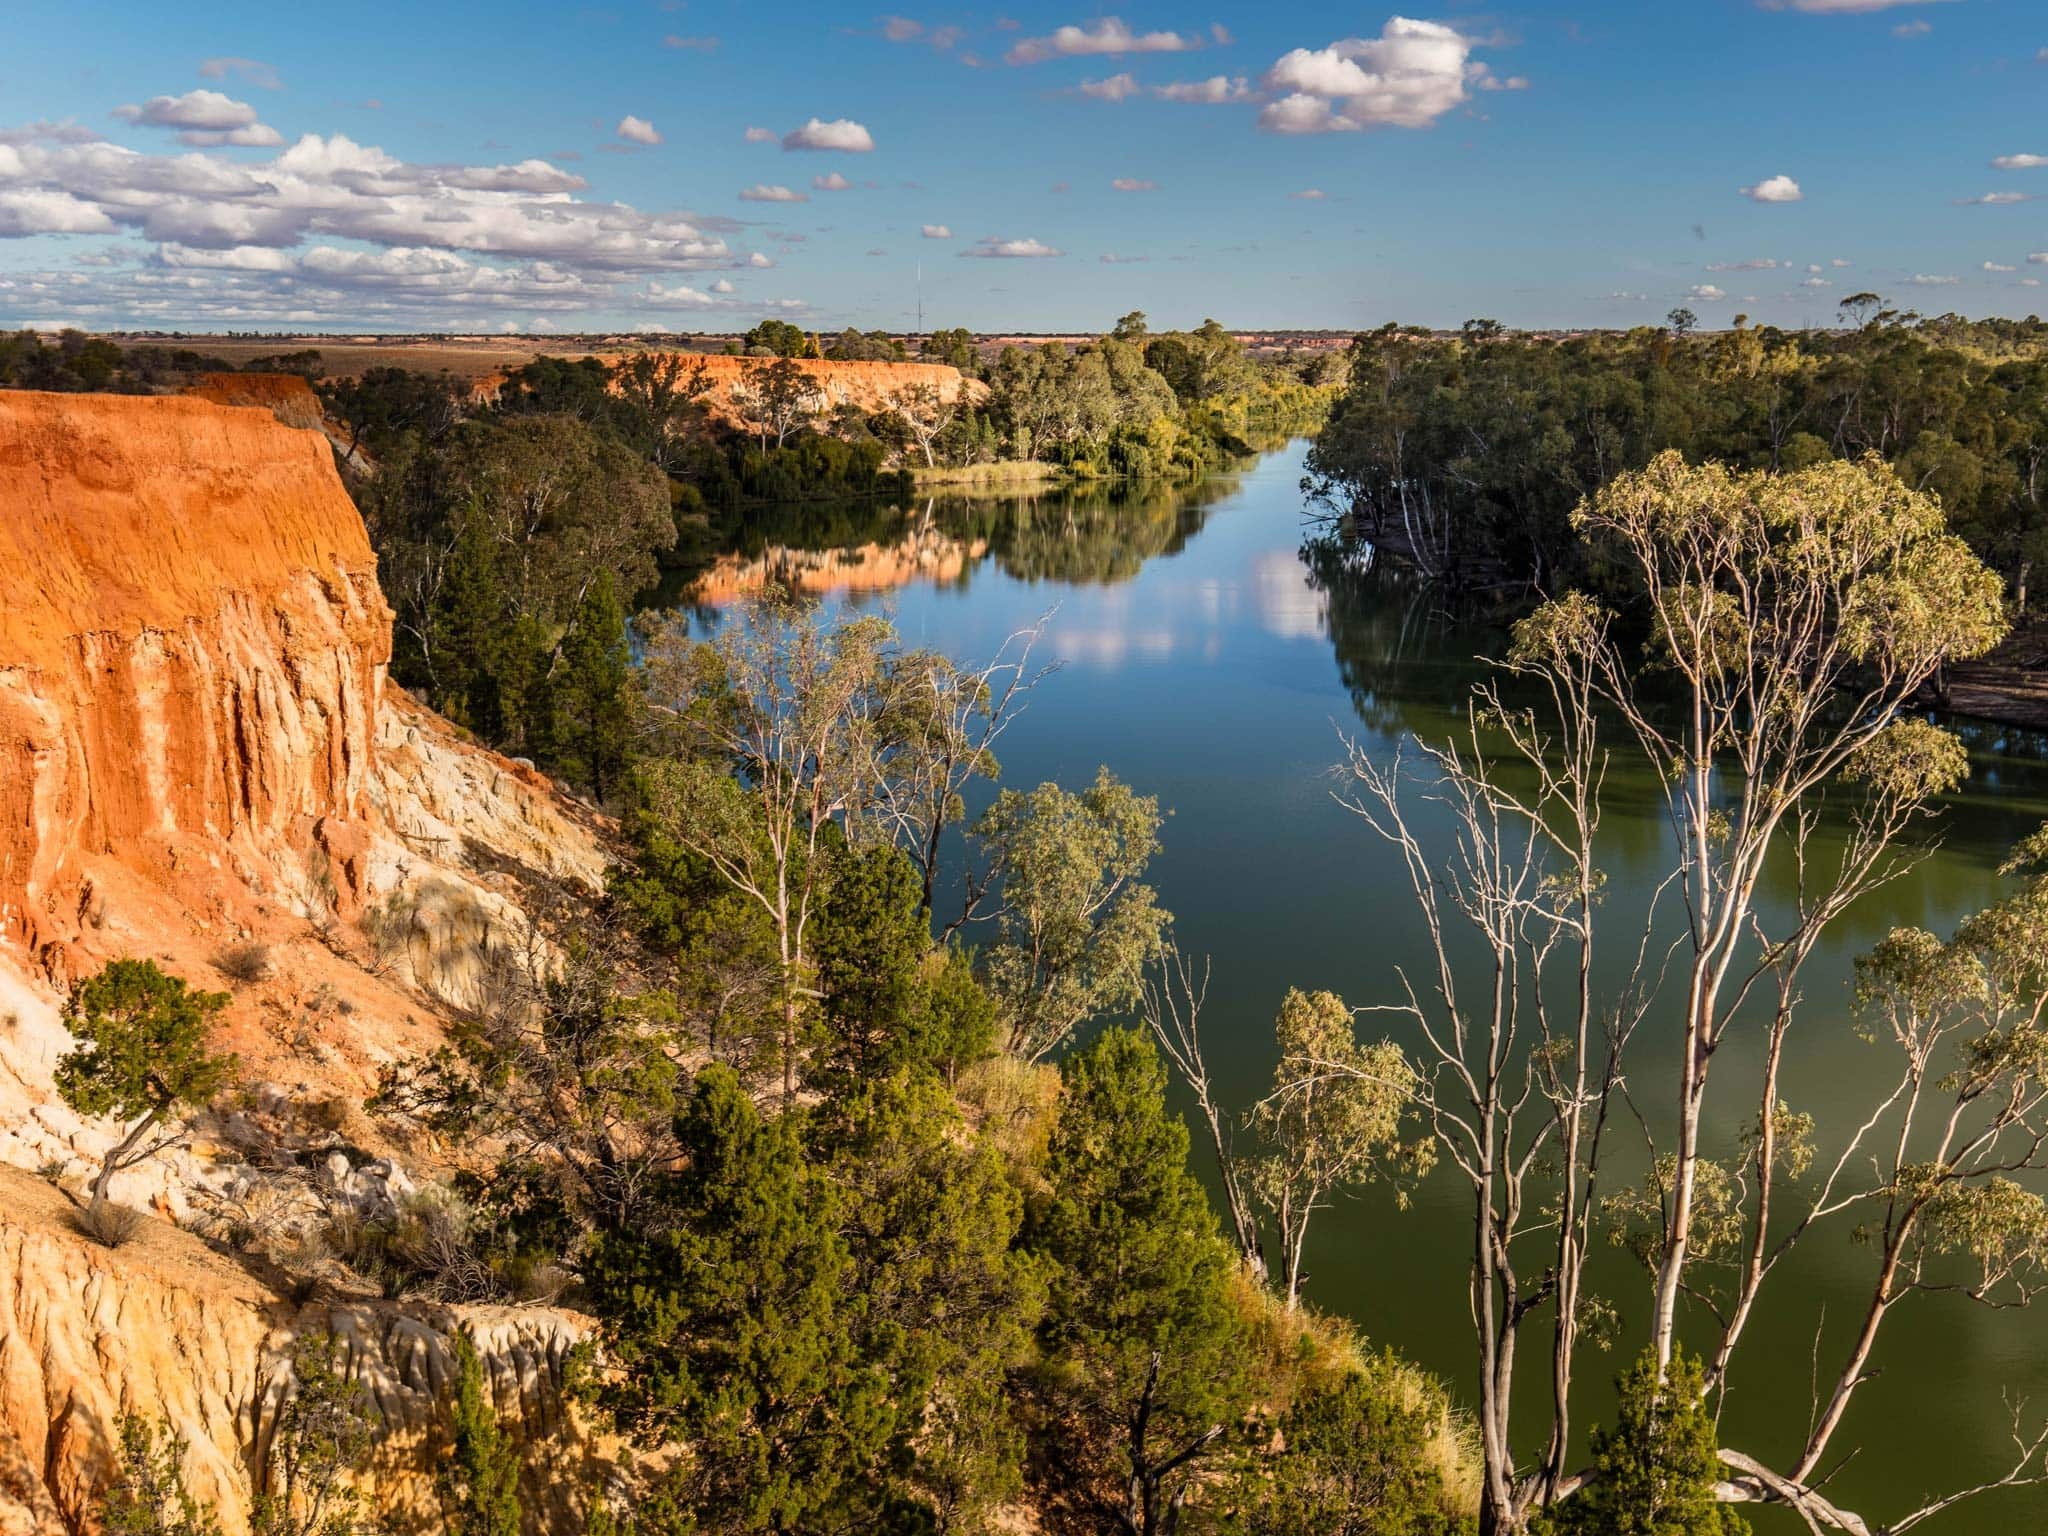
(1204, 663)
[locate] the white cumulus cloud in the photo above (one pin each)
(761, 192)
(760, 135)
(204, 119)
(832, 183)
(2019, 162)
(1120, 87)
(1407, 77)
(50, 211)
(1992, 266)
(936, 232)
(1774, 189)
(841, 133)
(1705, 293)
(1108, 35)
(996, 247)
(1133, 184)
(1214, 90)
(637, 130)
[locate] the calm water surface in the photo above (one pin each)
(1204, 663)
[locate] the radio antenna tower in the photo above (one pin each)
(920, 298)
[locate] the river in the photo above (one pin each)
(1202, 663)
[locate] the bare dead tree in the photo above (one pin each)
(1794, 615)
(937, 732)
(1508, 1085)
(1172, 1007)
(925, 414)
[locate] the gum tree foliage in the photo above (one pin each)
(141, 1058)
(1479, 452)
(769, 732)
(1788, 619)
(1333, 1115)
(1074, 925)
(775, 399)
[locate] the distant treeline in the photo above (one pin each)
(73, 362)
(514, 535)
(1468, 453)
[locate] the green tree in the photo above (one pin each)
(869, 949)
(1359, 1458)
(143, 1057)
(777, 338)
(1142, 1352)
(775, 398)
(466, 637)
(960, 1016)
(561, 500)
(954, 348)
(732, 1331)
(769, 726)
(1075, 928)
(1653, 1473)
(479, 1484)
(930, 1223)
(590, 694)
(322, 1437)
(148, 1496)
(1333, 1113)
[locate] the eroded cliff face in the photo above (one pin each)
(192, 652)
(199, 749)
(286, 396)
(167, 1329)
(870, 386)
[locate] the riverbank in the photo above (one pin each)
(2009, 686)
(1003, 475)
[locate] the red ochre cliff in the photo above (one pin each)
(192, 650)
(199, 749)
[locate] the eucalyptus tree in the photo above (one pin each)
(939, 725)
(1789, 620)
(1333, 1117)
(1076, 926)
(770, 727)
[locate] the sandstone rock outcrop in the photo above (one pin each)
(287, 396)
(166, 1329)
(199, 749)
(870, 386)
(192, 651)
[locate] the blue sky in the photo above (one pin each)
(640, 164)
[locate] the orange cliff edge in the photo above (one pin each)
(869, 386)
(192, 650)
